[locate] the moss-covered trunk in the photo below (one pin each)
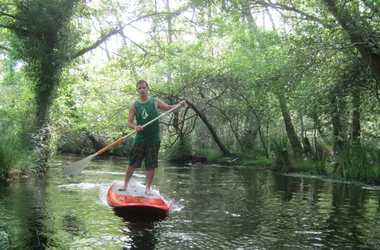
(290, 131)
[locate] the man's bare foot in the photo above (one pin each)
(123, 188)
(148, 192)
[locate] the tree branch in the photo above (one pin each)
(2, 13)
(96, 44)
(114, 32)
(5, 48)
(279, 6)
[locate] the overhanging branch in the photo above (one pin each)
(5, 48)
(2, 13)
(114, 32)
(96, 44)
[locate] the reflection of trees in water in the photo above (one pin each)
(347, 202)
(34, 212)
(73, 225)
(4, 239)
(285, 185)
(328, 205)
(142, 235)
(140, 215)
(141, 225)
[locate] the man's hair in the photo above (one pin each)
(142, 82)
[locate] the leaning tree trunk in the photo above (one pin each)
(290, 131)
(362, 37)
(222, 148)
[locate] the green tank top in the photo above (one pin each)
(145, 112)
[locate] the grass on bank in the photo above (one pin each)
(353, 163)
(240, 160)
(15, 161)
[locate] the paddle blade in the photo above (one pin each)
(75, 168)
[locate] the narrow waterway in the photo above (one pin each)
(213, 207)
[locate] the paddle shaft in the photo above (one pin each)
(134, 131)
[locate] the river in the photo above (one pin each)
(213, 207)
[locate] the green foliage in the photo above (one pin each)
(43, 41)
(180, 152)
(91, 104)
(221, 59)
(212, 155)
(256, 161)
(16, 102)
(279, 145)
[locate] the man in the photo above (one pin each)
(147, 141)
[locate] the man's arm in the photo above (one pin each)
(131, 118)
(165, 107)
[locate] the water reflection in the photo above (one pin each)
(141, 228)
(140, 215)
(73, 225)
(28, 203)
(142, 235)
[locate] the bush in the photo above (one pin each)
(360, 163)
(281, 162)
(183, 153)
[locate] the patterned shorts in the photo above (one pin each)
(147, 152)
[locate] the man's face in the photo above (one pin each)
(142, 89)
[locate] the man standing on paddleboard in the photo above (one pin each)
(147, 141)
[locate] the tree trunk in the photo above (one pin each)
(246, 13)
(222, 148)
(336, 123)
(307, 149)
(262, 139)
(356, 116)
(290, 131)
(43, 113)
(97, 145)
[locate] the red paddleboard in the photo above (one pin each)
(135, 198)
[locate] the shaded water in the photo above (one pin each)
(213, 207)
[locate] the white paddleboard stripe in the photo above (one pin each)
(138, 191)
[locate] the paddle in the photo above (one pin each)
(75, 168)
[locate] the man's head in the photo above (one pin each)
(142, 88)
(140, 82)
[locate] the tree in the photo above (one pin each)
(42, 40)
(44, 37)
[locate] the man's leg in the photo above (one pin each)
(137, 154)
(151, 163)
(128, 174)
(149, 180)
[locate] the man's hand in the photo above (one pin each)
(138, 128)
(183, 103)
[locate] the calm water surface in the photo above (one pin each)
(213, 207)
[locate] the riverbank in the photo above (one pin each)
(325, 169)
